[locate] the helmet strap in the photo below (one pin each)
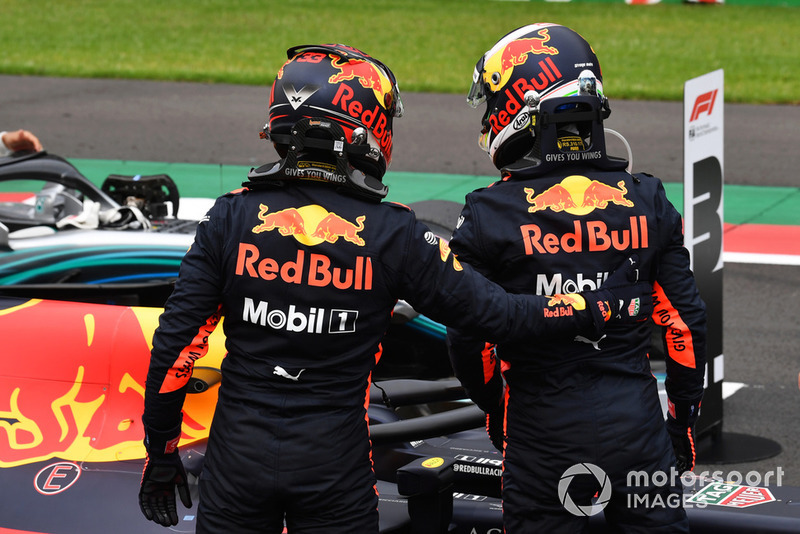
(546, 154)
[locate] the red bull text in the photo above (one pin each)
(547, 75)
(315, 270)
(592, 236)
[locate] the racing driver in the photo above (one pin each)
(305, 263)
(563, 214)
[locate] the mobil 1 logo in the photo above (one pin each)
(311, 320)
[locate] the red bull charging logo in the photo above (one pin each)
(562, 305)
(445, 252)
(367, 74)
(310, 225)
(499, 68)
(516, 52)
(577, 195)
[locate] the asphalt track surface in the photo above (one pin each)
(219, 124)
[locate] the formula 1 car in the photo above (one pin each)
(76, 352)
(71, 439)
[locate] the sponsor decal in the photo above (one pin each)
(316, 171)
(56, 478)
(297, 97)
(310, 225)
(312, 321)
(546, 75)
(571, 143)
(557, 284)
(704, 103)
(473, 498)
(369, 77)
(432, 463)
(172, 445)
(732, 495)
(367, 74)
(315, 270)
(332, 227)
(283, 373)
(592, 236)
(497, 462)
(633, 307)
(564, 305)
(500, 66)
(83, 404)
(677, 335)
(605, 309)
(481, 470)
(516, 52)
(577, 195)
(476, 465)
(444, 253)
(431, 238)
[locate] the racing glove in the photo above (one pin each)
(622, 297)
(163, 473)
(681, 418)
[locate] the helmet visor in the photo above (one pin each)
(477, 93)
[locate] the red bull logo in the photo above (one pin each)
(578, 195)
(297, 222)
(77, 393)
(593, 236)
(287, 222)
(516, 52)
(445, 252)
(375, 119)
(556, 198)
(314, 270)
(564, 305)
(547, 74)
(365, 72)
(332, 227)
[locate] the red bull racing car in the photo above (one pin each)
(78, 318)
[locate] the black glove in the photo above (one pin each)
(495, 427)
(681, 418)
(163, 472)
(622, 297)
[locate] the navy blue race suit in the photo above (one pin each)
(584, 399)
(306, 279)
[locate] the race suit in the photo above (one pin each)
(306, 279)
(583, 399)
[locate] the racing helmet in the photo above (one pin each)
(533, 68)
(339, 87)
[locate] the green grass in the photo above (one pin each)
(647, 52)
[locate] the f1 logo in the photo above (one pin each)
(703, 104)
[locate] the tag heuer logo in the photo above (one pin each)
(633, 308)
(732, 495)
